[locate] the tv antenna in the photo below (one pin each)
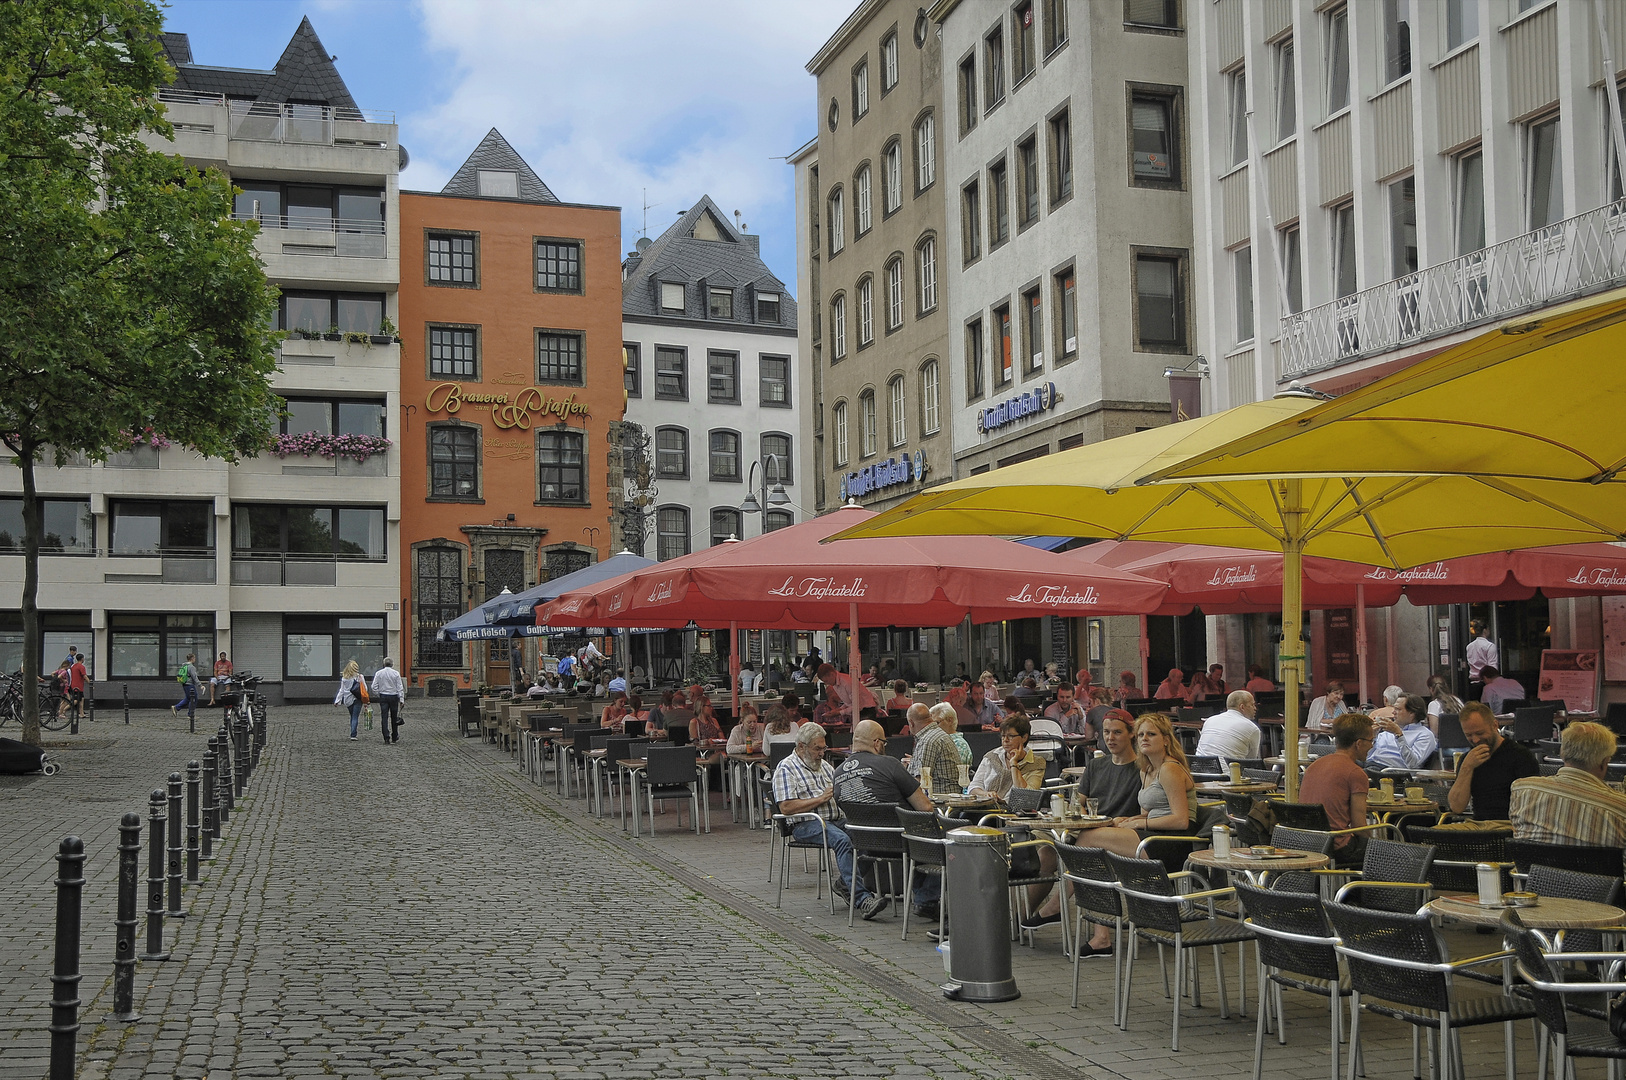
(648, 206)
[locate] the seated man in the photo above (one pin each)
(1257, 683)
(1486, 773)
(1337, 782)
(1231, 735)
(805, 783)
(618, 684)
(934, 750)
(1391, 708)
(1066, 712)
(1499, 688)
(869, 777)
(1404, 744)
(1576, 806)
(1326, 708)
(1028, 689)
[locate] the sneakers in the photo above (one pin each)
(352, 738)
(872, 907)
(839, 890)
(1033, 922)
(924, 911)
(1086, 951)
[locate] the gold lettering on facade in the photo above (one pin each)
(449, 398)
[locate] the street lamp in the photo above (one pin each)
(774, 498)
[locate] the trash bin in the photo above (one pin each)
(979, 901)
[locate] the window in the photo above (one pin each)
(558, 357)
(775, 382)
(454, 461)
(930, 421)
(1055, 25)
(838, 421)
(928, 275)
(1292, 268)
(894, 294)
(1027, 206)
(861, 199)
(1469, 184)
(1160, 302)
(559, 266)
(860, 90)
(67, 527)
(1156, 143)
(776, 458)
(776, 520)
(328, 532)
(671, 374)
(672, 453)
(892, 176)
(973, 361)
(968, 94)
(838, 223)
(838, 327)
(560, 466)
(767, 307)
(140, 527)
(1164, 13)
(1238, 97)
(866, 420)
(672, 298)
(155, 646)
(723, 377)
(450, 258)
(1287, 114)
(1403, 227)
(498, 183)
(671, 532)
(725, 455)
(1242, 269)
(1343, 249)
(866, 311)
(720, 303)
(1544, 179)
(320, 312)
(1006, 360)
(999, 209)
(925, 153)
(889, 62)
(1033, 331)
(334, 416)
(725, 525)
(1023, 58)
(452, 352)
(970, 223)
(1337, 61)
(1396, 39)
(1461, 22)
(993, 67)
(1061, 157)
(440, 600)
(632, 369)
(897, 430)
(1066, 306)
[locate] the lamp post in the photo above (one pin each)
(774, 498)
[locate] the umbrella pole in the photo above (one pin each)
(1360, 637)
(734, 664)
(855, 659)
(1292, 616)
(1145, 648)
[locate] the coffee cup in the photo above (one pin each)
(1414, 794)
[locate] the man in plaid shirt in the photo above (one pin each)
(805, 783)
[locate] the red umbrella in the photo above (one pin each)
(1566, 570)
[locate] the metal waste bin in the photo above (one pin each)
(979, 901)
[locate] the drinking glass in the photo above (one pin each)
(1093, 806)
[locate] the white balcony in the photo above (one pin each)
(1572, 258)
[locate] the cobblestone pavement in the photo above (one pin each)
(418, 909)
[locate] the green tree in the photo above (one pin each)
(130, 302)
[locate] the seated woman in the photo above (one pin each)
(778, 727)
(614, 713)
(1128, 689)
(1011, 764)
(704, 725)
(746, 736)
(900, 698)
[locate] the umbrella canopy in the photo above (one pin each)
(511, 614)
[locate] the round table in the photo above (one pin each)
(1239, 863)
(1549, 913)
(1247, 787)
(1399, 805)
(1061, 824)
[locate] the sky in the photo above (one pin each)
(612, 102)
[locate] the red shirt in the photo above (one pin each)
(1330, 781)
(76, 677)
(222, 667)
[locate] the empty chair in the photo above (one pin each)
(925, 845)
(1295, 944)
(1302, 815)
(1512, 705)
(1450, 733)
(900, 746)
(1265, 776)
(1205, 767)
(1092, 890)
(1312, 840)
(895, 722)
(1457, 853)
(1570, 1035)
(1394, 876)
(980, 743)
(1574, 885)
(1532, 724)
(1583, 857)
(672, 772)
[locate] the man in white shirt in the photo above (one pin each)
(387, 688)
(1232, 735)
(618, 684)
(1404, 741)
(1499, 688)
(1480, 653)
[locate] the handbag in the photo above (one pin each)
(361, 691)
(1024, 861)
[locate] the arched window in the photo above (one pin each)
(778, 519)
(892, 175)
(671, 532)
(838, 222)
(897, 428)
(929, 421)
(725, 455)
(672, 453)
(838, 420)
(725, 525)
(927, 262)
(866, 311)
(866, 420)
(838, 326)
(776, 457)
(894, 293)
(925, 152)
(861, 197)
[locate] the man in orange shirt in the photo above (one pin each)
(1339, 783)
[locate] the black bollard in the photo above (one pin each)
(193, 819)
(124, 953)
(90, 698)
(126, 703)
(223, 784)
(239, 764)
(175, 849)
(256, 736)
(155, 879)
(211, 812)
(70, 887)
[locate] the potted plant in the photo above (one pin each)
(333, 333)
(386, 332)
(356, 337)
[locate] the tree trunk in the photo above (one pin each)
(32, 529)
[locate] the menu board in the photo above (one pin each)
(1060, 645)
(1570, 676)
(1339, 628)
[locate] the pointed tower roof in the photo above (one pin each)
(494, 154)
(304, 73)
(702, 245)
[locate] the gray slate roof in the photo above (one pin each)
(732, 261)
(304, 73)
(495, 153)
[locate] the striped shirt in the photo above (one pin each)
(794, 780)
(1573, 807)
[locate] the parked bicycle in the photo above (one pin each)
(53, 715)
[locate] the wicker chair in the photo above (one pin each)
(1312, 840)
(1458, 851)
(1576, 1036)
(1574, 885)
(1302, 815)
(1295, 946)
(1095, 899)
(925, 851)
(1583, 857)
(877, 840)
(1155, 913)
(1399, 967)
(1393, 876)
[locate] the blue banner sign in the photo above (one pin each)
(1015, 408)
(904, 469)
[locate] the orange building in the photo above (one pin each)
(511, 380)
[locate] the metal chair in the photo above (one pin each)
(1533, 723)
(1399, 967)
(925, 851)
(1295, 946)
(1570, 1036)
(1582, 857)
(672, 772)
(877, 841)
(1393, 876)
(1095, 899)
(1575, 885)
(1155, 910)
(1207, 768)
(1457, 853)
(1302, 815)
(784, 826)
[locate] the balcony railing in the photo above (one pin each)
(180, 566)
(1580, 255)
(272, 569)
(270, 121)
(353, 237)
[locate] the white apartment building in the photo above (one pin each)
(1378, 180)
(287, 563)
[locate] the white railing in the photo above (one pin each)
(1580, 255)
(270, 121)
(357, 238)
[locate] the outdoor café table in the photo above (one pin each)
(1243, 861)
(1547, 913)
(1247, 787)
(1059, 825)
(1433, 774)
(631, 767)
(1377, 804)
(743, 779)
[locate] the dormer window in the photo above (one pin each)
(499, 184)
(720, 303)
(672, 297)
(768, 307)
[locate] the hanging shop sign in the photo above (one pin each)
(905, 469)
(1012, 409)
(516, 410)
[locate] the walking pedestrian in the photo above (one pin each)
(388, 689)
(187, 676)
(351, 688)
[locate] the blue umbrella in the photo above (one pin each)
(512, 614)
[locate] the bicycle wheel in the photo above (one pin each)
(49, 720)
